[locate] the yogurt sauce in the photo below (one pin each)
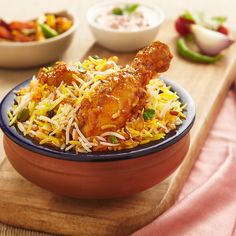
(143, 17)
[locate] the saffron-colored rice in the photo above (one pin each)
(62, 129)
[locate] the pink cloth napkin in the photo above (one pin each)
(207, 203)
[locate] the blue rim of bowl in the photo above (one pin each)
(139, 151)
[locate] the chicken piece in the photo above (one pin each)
(54, 76)
(122, 93)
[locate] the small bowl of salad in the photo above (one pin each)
(124, 26)
(36, 42)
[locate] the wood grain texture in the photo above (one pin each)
(25, 205)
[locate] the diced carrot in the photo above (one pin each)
(37, 97)
(19, 37)
(18, 25)
(5, 33)
(34, 127)
(76, 137)
(174, 113)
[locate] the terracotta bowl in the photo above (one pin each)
(101, 174)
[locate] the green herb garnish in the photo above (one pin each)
(198, 18)
(95, 57)
(188, 15)
(117, 11)
(81, 69)
(148, 114)
(113, 139)
(219, 19)
(23, 115)
(131, 8)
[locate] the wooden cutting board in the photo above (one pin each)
(25, 205)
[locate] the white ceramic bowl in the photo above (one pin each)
(30, 54)
(124, 41)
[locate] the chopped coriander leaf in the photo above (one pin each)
(113, 139)
(219, 19)
(23, 115)
(188, 15)
(95, 57)
(81, 69)
(117, 11)
(131, 8)
(148, 114)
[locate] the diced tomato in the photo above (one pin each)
(222, 29)
(182, 25)
(4, 24)
(5, 33)
(18, 25)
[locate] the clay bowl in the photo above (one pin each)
(97, 175)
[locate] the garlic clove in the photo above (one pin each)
(210, 42)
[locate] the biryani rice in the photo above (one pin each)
(61, 129)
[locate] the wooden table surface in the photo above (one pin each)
(25, 9)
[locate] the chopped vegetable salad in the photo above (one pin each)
(44, 27)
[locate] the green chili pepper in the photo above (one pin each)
(48, 31)
(23, 115)
(184, 51)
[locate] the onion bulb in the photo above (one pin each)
(210, 42)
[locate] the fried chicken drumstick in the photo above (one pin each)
(123, 92)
